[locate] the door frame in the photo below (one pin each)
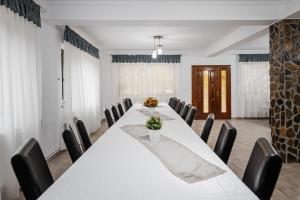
(228, 83)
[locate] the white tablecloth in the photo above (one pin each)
(118, 167)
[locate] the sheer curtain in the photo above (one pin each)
(19, 107)
(254, 89)
(140, 80)
(82, 87)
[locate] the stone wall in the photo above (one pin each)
(285, 88)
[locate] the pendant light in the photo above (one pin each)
(154, 52)
(157, 50)
(159, 46)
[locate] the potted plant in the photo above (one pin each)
(151, 103)
(154, 125)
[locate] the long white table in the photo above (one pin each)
(118, 167)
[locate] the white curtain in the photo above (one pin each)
(140, 80)
(254, 89)
(82, 87)
(19, 107)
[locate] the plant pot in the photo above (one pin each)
(154, 135)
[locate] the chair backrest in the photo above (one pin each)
(263, 169)
(185, 111)
(115, 112)
(126, 104)
(130, 102)
(109, 119)
(177, 101)
(83, 135)
(31, 169)
(225, 141)
(75, 119)
(120, 108)
(179, 107)
(190, 116)
(171, 100)
(207, 127)
(72, 144)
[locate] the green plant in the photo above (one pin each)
(154, 123)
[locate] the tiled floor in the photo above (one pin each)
(248, 131)
(288, 185)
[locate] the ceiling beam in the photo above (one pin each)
(248, 33)
(241, 35)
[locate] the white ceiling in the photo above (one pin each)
(129, 25)
(176, 38)
(261, 43)
(182, 36)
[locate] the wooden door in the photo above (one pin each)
(211, 91)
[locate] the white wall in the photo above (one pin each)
(51, 87)
(51, 114)
(185, 78)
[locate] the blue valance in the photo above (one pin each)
(254, 57)
(145, 59)
(73, 38)
(25, 8)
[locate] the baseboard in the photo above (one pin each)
(52, 154)
(255, 118)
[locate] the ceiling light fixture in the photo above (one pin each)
(159, 46)
(157, 50)
(154, 54)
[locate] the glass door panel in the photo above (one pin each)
(223, 91)
(205, 92)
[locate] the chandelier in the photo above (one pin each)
(157, 49)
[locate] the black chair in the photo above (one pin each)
(263, 169)
(190, 116)
(179, 107)
(72, 144)
(115, 113)
(130, 102)
(177, 101)
(109, 119)
(31, 170)
(171, 100)
(120, 108)
(83, 135)
(185, 111)
(126, 104)
(207, 127)
(225, 141)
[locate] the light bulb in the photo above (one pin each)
(159, 49)
(154, 54)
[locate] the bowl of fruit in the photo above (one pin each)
(151, 102)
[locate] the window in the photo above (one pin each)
(254, 89)
(140, 80)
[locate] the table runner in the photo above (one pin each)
(178, 159)
(156, 114)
